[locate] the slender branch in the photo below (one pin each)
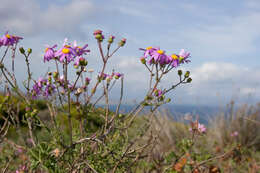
(6, 50)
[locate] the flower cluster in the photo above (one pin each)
(43, 87)
(9, 40)
(104, 76)
(154, 55)
(66, 53)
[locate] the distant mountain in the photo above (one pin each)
(176, 111)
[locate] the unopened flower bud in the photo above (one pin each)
(87, 81)
(168, 100)
(111, 39)
(98, 36)
(117, 75)
(77, 72)
(149, 97)
(162, 98)
(189, 80)
(55, 75)
(22, 50)
(82, 61)
(187, 74)
(122, 42)
(29, 50)
(143, 60)
(108, 80)
(145, 104)
(98, 31)
(179, 72)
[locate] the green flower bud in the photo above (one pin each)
(110, 39)
(162, 98)
(98, 36)
(145, 104)
(1, 65)
(78, 72)
(179, 72)
(189, 80)
(29, 50)
(122, 42)
(168, 100)
(187, 74)
(149, 97)
(143, 60)
(108, 79)
(22, 50)
(55, 75)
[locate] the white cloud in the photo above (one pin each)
(225, 80)
(27, 16)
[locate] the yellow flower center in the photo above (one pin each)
(8, 36)
(148, 48)
(175, 57)
(46, 49)
(65, 50)
(160, 51)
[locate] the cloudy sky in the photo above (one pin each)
(222, 36)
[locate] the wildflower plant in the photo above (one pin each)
(70, 143)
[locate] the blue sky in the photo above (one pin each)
(222, 36)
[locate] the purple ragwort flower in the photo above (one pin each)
(80, 50)
(49, 53)
(9, 40)
(159, 56)
(174, 60)
(148, 51)
(183, 56)
(66, 54)
(37, 87)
